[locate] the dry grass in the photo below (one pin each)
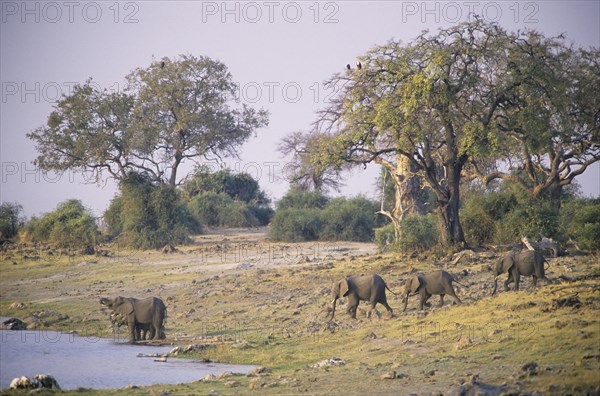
(270, 308)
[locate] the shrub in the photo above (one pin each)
(70, 224)
(478, 224)
(418, 232)
(239, 186)
(302, 200)
(146, 216)
(10, 220)
(385, 237)
(530, 218)
(296, 225)
(348, 220)
(226, 199)
(220, 210)
(581, 220)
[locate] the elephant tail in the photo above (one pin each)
(546, 262)
(457, 282)
(390, 290)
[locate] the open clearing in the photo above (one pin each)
(237, 297)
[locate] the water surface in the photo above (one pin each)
(91, 362)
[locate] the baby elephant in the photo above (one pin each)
(438, 282)
(366, 288)
(526, 263)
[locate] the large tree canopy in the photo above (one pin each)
(440, 107)
(173, 111)
(550, 124)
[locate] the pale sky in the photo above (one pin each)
(278, 52)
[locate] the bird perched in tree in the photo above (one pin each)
(348, 66)
(358, 65)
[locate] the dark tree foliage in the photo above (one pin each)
(11, 220)
(227, 199)
(149, 216)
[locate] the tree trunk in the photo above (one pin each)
(407, 186)
(451, 232)
(556, 195)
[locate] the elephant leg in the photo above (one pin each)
(452, 293)
(534, 282)
(507, 282)
(424, 297)
(132, 332)
(353, 311)
(441, 300)
(517, 280)
(373, 303)
(387, 307)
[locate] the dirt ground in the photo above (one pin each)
(234, 296)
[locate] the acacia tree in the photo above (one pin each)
(422, 109)
(173, 111)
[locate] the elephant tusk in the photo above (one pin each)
(333, 301)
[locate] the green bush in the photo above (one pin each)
(298, 199)
(146, 216)
(10, 220)
(348, 220)
(530, 218)
(296, 225)
(385, 237)
(220, 210)
(238, 186)
(69, 225)
(504, 215)
(477, 222)
(581, 220)
(226, 199)
(418, 233)
(307, 216)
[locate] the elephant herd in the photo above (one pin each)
(146, 317)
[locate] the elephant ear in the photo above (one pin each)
(344, 287)
(126, 308)
(415, 283)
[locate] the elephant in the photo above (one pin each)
(437, 282)
(526, 263)
(141, 329)
(366, 288)
(147, 314)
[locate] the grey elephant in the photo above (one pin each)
(361, 288)
(433, 283)
(526, 263)
(148, 313)
(141, 329)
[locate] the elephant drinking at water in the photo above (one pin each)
(140, 315)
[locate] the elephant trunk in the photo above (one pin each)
(495, 284)
(406, 300)
(333, 310)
